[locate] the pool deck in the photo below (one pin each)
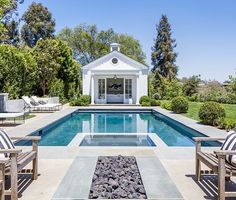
(173, 165)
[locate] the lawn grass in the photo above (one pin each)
(194, 107)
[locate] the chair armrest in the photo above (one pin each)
(201, 139)
(224, 152)
(35, 138)
(11, 151)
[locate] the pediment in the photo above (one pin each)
(106, 63)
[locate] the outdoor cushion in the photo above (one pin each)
(42, 102)
(5, 143)
(230, 144)
(33, 103)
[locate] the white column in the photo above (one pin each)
(105, 90)
(137, 89)
(92, 89)
(124, 91)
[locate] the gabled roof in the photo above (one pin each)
(118, 55)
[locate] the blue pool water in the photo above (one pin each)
(117, 140)
(171, 132)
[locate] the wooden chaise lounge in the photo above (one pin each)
(17, 162)
(216, 161)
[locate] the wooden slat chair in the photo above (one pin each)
(17, 162)
(216, 161)
(2, 180)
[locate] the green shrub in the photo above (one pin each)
(74, 102)
(57, 89)
(166, 105)
(83, 100)
(227, 124)
(232, 98)
(146, 103)
(193, 98)
(179, 105)
(210, 112)
(190, 85)
(155, 102)
(144, 99)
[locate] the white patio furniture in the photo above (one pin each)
(4, 116)
(14, 109)
(44, 102)
(38, 107)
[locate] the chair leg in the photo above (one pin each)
(35, 169)
(35, 161)
(14, 178)
(198, 169)
(2, 176)
(221, 178)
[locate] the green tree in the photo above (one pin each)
(169, 89)
(163, 55)
(69, 71)
(190, 85)
(17, 71)
(4, 4)
(46, 54)
(9, 30)
(88, 43)
(38, 24)
(28, 72)
(130, 47)
(57, 70)
(232, 84)
(212, 91)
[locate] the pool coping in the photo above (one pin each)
(27, 129)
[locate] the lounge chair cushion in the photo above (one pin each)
(42, 102)
(33, 103)
(230, 144)
(5, 143)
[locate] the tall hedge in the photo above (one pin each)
(17, 71)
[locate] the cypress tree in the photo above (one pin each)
(163, 55)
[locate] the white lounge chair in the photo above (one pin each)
(42, 102)
(10, 115)
(37, 107)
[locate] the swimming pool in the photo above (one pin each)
(62, 132)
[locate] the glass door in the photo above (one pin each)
(101, 91)
(128, 91)
(115, 90)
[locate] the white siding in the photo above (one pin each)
(86, 82)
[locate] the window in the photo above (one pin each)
(115, 49)
(114, 61)
(101, 88)
(128, 88)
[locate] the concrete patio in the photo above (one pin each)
(167, 172)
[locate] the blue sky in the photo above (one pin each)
(205, 30)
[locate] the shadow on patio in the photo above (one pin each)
(209, 183)
(24, 181)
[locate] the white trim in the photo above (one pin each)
(118, 55)
(92, 90)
